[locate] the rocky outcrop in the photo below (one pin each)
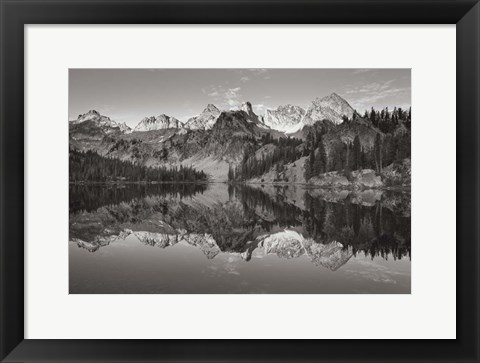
(331, 179)
(398, 174)
(359, 179)
(248, 109)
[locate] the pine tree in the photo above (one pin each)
(311, 162)
(378, 153)
(320, 162)
(373, 117)
(357, 153)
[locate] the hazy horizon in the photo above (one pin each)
(129, 95)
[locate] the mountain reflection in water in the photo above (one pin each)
(249, 239)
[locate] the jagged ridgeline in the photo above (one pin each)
(328, 143)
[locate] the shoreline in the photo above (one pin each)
(403, 189)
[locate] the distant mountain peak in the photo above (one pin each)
(205, 120)
(90, 112)
(98, 120)
(160, 122)
(332, 107)
(211, 108)
(333, 97)
(125, 128)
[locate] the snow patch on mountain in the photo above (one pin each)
(285, 118)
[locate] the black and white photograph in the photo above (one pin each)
(239, 181)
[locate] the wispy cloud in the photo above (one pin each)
(244, 79)
(260, 73)
(362, 70)
(225, 97)
(260, 108)
(366, 95)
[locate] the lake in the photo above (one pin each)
(220, 238)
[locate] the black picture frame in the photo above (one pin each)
(15, 14)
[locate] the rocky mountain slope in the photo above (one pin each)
(164, 141)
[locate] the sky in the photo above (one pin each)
(129, 95)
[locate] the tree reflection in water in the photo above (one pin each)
(327, 226)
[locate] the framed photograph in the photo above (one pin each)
(239, 181)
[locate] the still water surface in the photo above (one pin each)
(217, 238)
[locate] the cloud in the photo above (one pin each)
(361, 70)
(259, 108)
(232, 96)
(366, 95)
(224, 97)
(244, 79)
(258, 71)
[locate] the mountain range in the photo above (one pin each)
(217, 140)
(286, 118)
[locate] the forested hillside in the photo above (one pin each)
(91, 167)
(373, 141)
